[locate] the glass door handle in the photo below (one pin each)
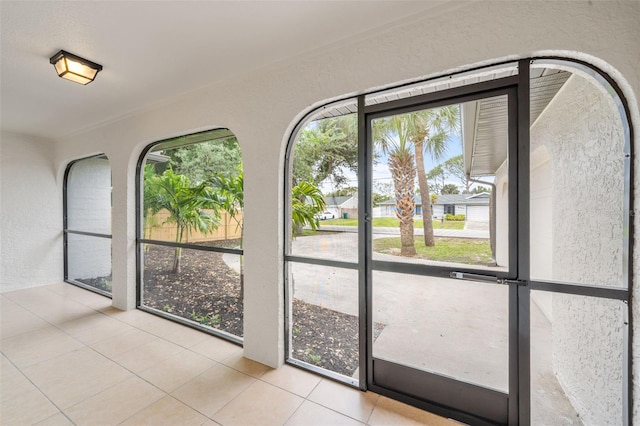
(474, 277)
(486, 278)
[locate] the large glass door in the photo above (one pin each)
(442, 244)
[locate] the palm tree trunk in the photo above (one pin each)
(403, 172)
(425, 199)
(177, 267)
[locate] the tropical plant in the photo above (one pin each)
(306, 202)
(228, 191)
(429, 130)
(391, 134)
(190, 207)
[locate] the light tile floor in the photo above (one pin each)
(68, 357)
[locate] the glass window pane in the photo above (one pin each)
(206, 290)
(89, 261)
(449, 327)
(577, 180)
(324, 189)
(89, 196)
(577, 346)
(323, 315)
(194, 193)
(440, 186)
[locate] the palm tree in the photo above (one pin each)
(306, 202)
(229, 192)
(186, 205)
(429, 130)
(392, 136)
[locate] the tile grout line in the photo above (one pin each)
(84, 346)
(137, 327)
(39, 391)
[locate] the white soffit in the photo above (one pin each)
(485, 122)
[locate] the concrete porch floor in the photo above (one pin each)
(69, 358)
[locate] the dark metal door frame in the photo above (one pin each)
(468, 402)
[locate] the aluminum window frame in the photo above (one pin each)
(66, 231)
(170, 143)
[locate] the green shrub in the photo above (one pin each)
(455, 217)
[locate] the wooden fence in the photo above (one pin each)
(157, 228)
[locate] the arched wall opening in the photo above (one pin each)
(574, 180)
(87, 224)
(190, 208)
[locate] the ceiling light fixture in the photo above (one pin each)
(74, 67)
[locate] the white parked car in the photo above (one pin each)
(325, 215)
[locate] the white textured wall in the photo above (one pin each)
(261, 108)
(89, 210)
(581, 129)
(30, 213)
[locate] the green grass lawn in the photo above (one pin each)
(459, 250)
(392, 222)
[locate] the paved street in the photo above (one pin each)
(474, 231)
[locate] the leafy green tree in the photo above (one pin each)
(379, 198)
(454, 166)
(326, 149)
(187, 206)
(436, 177)
(449, 189)
(343, 192)
(429, 130)
(150, 206)
(391, 135)
(306, 202)
(480, 189)
(200, 161)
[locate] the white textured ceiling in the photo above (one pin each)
(157, 50)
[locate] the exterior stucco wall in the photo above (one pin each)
(89, 209)
(584, 181)
(30, 212)
(460, 34)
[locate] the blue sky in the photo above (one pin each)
(381, 171)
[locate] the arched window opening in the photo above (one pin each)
(580, 160)
(323, 193)
(519, 174)
(87, 224)
(190, 232)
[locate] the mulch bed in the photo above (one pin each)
(207, 291)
